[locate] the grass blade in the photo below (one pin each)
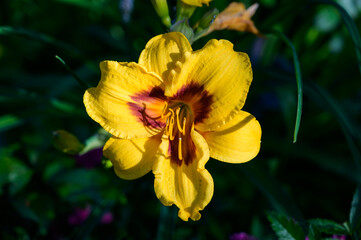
(299, 82)
(80, 81)
(325, 99)
(21, 32)
(350, 25)
(355, 212)
(278, 198)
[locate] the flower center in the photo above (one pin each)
(179, 122)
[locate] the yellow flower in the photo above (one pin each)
(172, 111)
(197, 3)
(236, 17)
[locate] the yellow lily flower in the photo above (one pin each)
(172, 111)
(197, 3)
(235, 17)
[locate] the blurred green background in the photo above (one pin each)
(48, 194)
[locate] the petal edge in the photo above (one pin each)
(236, 142)
(189, 187)
(131, 159)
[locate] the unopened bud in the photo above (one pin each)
(207, 19)
(184, 11)
(161, 7)
(66, 142)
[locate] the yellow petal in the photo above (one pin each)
(116, 102)
(132, 158)
(236, 142)
(162, 51)
(222, 73)
(189, 187)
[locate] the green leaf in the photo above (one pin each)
(65, 107)
(327, 226)
(313, 234)
(80, 184)
(9, 121)
(285, 228)
(25, 211)
(22, 32)
(350, 25)
(355, 212)
(13, 172)
(349, 129)
(299, 82)
(280, 200)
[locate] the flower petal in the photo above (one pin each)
(132, 158)
(236, 17)
(162, 51)
(223, 74)
(236, 142)
(189, 187)
(114, 103)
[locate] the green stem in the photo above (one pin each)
(299, 82)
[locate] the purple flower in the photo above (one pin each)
(340, 237)
(107, 218)
(242, 236)
(90, 159)
(79, 215)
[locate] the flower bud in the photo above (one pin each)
(66, 142)
(184, 11)
(161, 7)
(207, 19)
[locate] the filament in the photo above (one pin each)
(171, 124)
(180, 149)
(182, 130)
(164, 109)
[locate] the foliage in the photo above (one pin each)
(48, 47)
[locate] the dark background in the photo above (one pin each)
(42, 187)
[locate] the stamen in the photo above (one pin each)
(166, 126)
(178, 124)
(171, 124)
(167, 115)
(184, 126)
(164, 109)
(180, 149)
